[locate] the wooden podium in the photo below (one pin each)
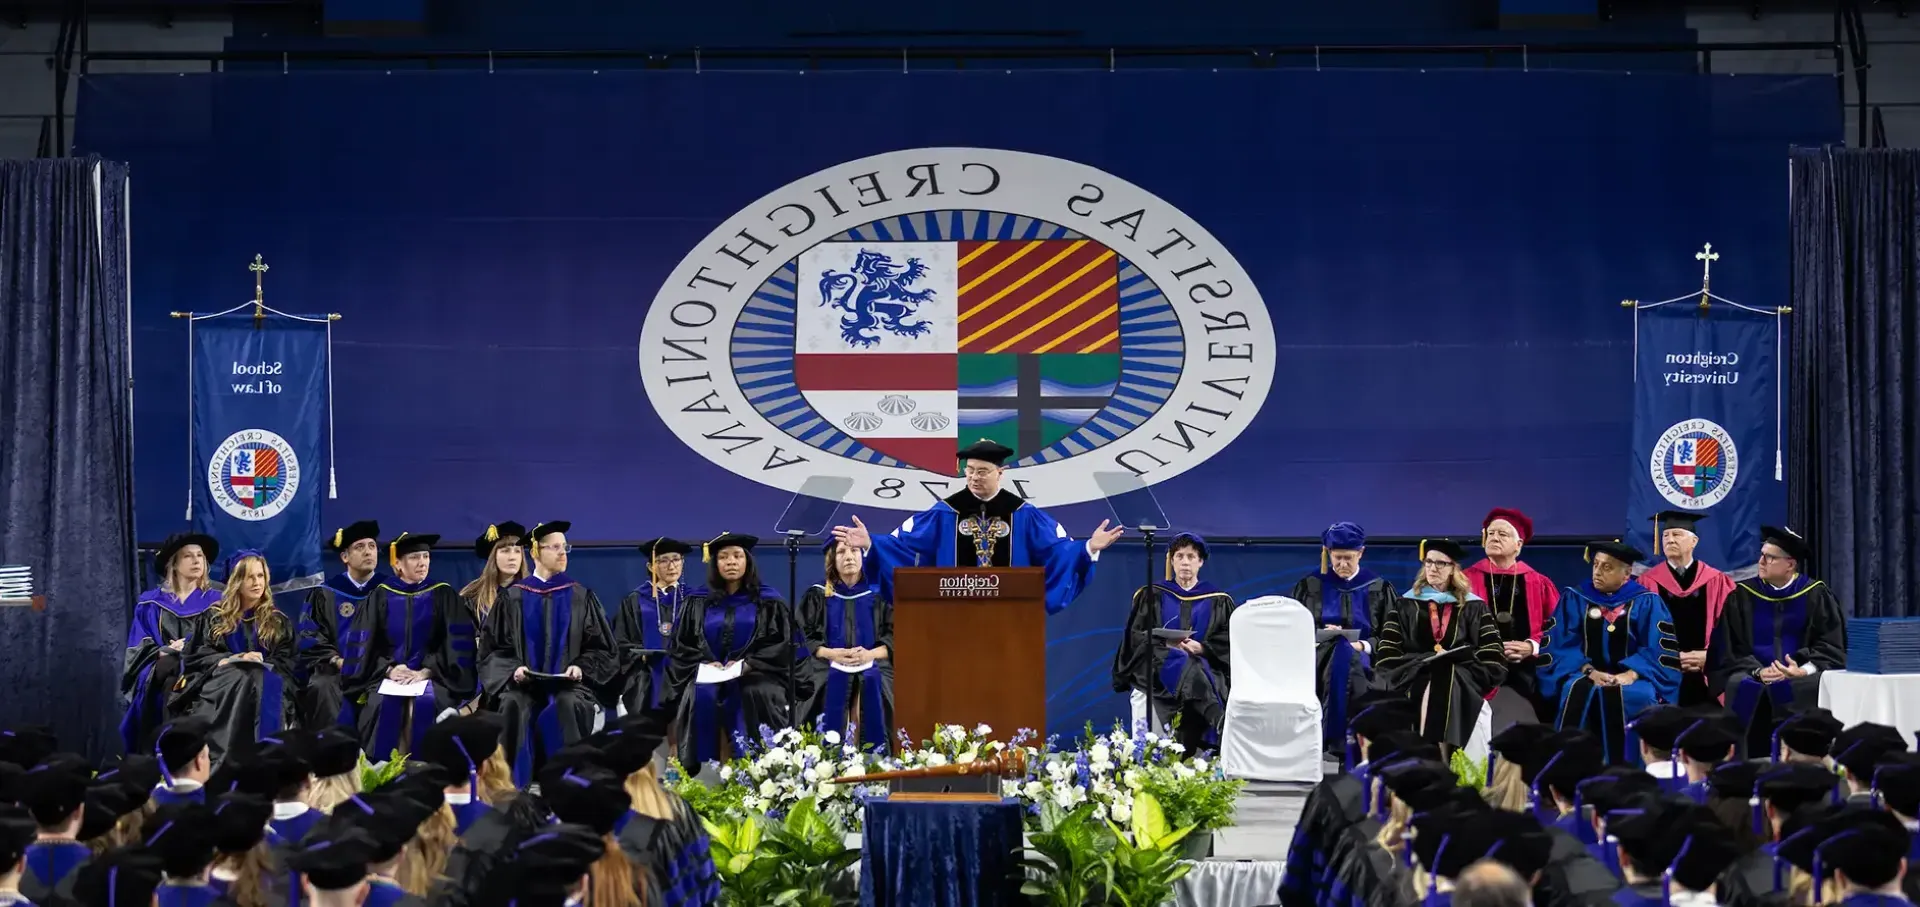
(969, 647)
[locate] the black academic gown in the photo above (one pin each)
(1359, 603)
(1331, 807)
(245, 700)
(1194, 688)
(1361, 871)
(754, 628)
(329, 611)
(152, 667)
(51, 866)
(1451, 687)
(1756, 879)
(642, 629)
(1802, 621)
(671, 857)
(1572, 877)
(421, 625)
(843, 618)
(545, 626)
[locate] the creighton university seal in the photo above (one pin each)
(863, 321)
(1694, 464)
(253, 474)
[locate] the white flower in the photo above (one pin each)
(936, 759)
(768, 788)
(754, 804)
(1122, 811)
(826, 789)
(1176, 747)
(831, 737)
(1100, 811)
(1133, 779)
(1183, 771)
(812, 774)
(966, 757)
(982, 730)
(726, 773)
(1099, 753)
(853, 769)
(1200, 764)
(1032, 790)
(813, 751)
(777, 756)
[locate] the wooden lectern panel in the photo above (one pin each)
(969, 647)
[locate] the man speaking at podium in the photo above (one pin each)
(983, 525)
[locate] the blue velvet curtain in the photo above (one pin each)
(1856, 362)
(66, 509)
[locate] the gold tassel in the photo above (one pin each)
(493, 533)
(339, 535)
(1422, 555)
(393, 550)
(706, 548)
(1323, 560)
(1169, 563)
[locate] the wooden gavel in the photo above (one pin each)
(1010, 761)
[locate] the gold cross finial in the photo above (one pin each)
(1706, 257)
(259, 269)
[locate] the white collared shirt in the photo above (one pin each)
(289, 810)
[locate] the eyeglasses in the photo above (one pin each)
(562, 549)
(1433, 563)
(981, 472)
(669, 559)
(1766, 558)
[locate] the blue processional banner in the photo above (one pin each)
(1707, 427)
(260, 404)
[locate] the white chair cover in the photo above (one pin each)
(1272, 728)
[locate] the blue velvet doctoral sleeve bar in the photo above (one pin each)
(1042, 543)
(932, 854)
(926, 539)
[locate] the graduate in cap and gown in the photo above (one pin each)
(736, 624)
(983, 525)
(1896, 788)
(466, 750)
(847, 660)
(1670, 851)
(549, 645)
(1806, 737)
(1522, 601)
(1657, 729)
(183, 837)
(1782, 630)
(643, 628)
(1610, 654)
(164, 620)
(1696, 595)
(185, 760)
(1438, 647)
(1779, 792)
(502, 548)
(331, 642)
(17, 831)
(55, 792)
(419, 631)
(1866, 851)
(332, 865)
(127, 877)
(1343, 799)
(1710, 741)
(660, 834)
(391, 817)
(1347, 596)
(1189, 677)
(240, 669)
(1859, 751)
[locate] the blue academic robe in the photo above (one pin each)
(419, 625)
(383, 893)
(151, 668)
(1802, 621)
(288, 832)
(1356, 603)
(196, 895)
(330, 627)
(1627, 629)
(465, 814)
(48, 864)
(167, 796)
(931, 539)
(1874, 900)
(1640, 896)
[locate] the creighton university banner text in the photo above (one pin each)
(1707, 427)
(259, 416)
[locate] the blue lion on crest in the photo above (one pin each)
(876, 296)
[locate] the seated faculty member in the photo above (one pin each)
(1438, 647)
(1185, 678)
(643, 628)
(847, 661)
(1611, 654)
(418, 632)
(983, 525)
(331, 641)
(1348, 597)
(1522, 601)
(736, 624)
(164, 620)
(240, 669)
(1783, 629)
(1695, 594)
(548, 641)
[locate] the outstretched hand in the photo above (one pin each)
(1102, 537)
(854, 536)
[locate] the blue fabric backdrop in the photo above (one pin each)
(1442, 254)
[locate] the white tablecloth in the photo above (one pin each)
(1891, 699)
(1241, 883)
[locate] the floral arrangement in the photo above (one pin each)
(1107, 772)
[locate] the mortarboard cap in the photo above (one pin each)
(344, 537)
(1660, 724)
(1448, 547)
(1188, 539)
(332, 751)
(1652, 829)
(1422, 784)
(545, 865)
(17, 831)
(1446, 841)
(1736, 779)
(163, 558)
(178, 742)
(407, 543)
(1802, 832)
(1519, 744)
(1615, 549)
(107, 802)
(543, 530)
(27, 744)
(55, 788)
(123, 877)
(1521, 523)
(589, 795)
(1566, 768)
(1789, 542)
(390, 817)
(654, 548)
(1674, 519)
(135, 769)
(728, 540)
(333, 857)
(1343, 536)
(1865, 844)
(631, 743)
(1521, 842)
(1792, 785)
(460, 744)
(987, 452)
(1897, 780)
(1615, 788)
(483, 546)
(239, 821)
(1710, 738)
(234, 559)
(269, 771)
(1705, 852)
(182, 835)
(1391, 712)
(1810, 733)
(1859, 748)
(1399, 745)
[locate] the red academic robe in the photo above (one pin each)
(1718, 585)
(1543, 597)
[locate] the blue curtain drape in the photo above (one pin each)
(1856, 360)
(65, 444)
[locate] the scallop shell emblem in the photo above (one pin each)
(931, 421)
(863, 422)
(896, 404)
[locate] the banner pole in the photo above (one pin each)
(333, 485)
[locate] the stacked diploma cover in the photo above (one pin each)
(1883, 645)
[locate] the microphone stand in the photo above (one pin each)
(1147, 533)
(793, 610)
